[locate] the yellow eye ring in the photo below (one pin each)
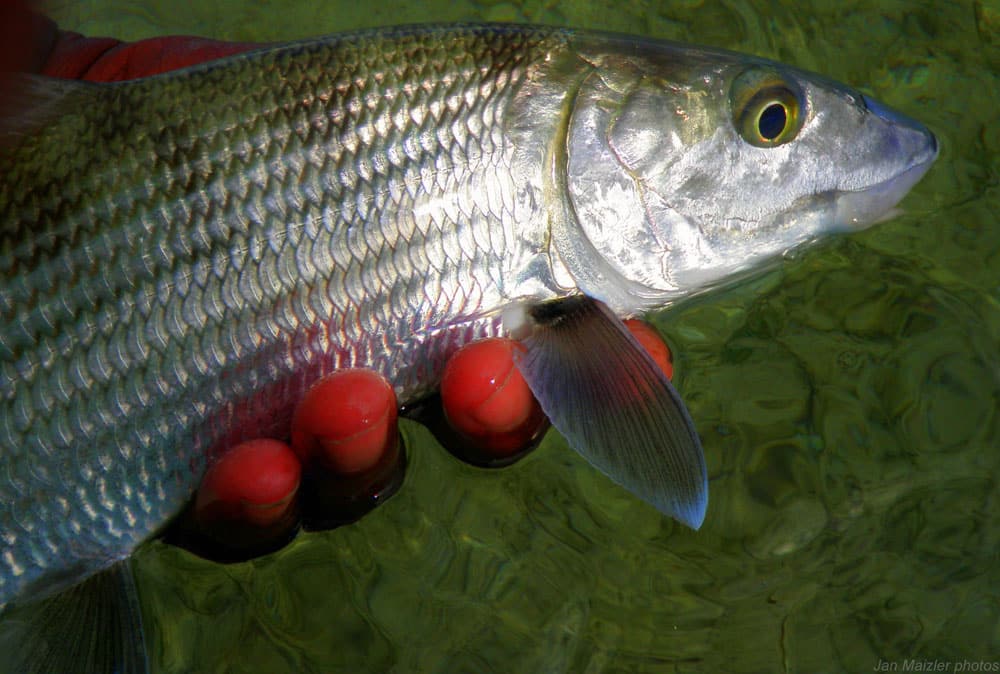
(766, 108)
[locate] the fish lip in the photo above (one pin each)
(859, 208)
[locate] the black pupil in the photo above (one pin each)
(772, 121)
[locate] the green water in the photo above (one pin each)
(847, 403)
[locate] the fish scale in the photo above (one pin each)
(211, 243)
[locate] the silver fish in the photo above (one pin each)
(181, 256)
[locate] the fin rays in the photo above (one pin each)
(94, 627)
(615, 407)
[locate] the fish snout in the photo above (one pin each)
(922, 140)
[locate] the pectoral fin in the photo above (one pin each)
(93, 627)
(615, 407)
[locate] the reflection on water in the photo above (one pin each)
(847, 402)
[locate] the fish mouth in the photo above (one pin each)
(857, 210)
(860, 208)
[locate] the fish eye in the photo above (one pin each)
(766, 108)
(772, 120)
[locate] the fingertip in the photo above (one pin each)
(346, 434)
(247, 504)
(255, 481)
(487, 402)
(346, 421)
(654, 345)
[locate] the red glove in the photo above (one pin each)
(104, 59)
(31, 42)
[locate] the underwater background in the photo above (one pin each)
(847, 401)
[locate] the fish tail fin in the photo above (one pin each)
(93, 627)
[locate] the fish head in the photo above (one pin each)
(688, 167)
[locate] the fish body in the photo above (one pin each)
(182, 256)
